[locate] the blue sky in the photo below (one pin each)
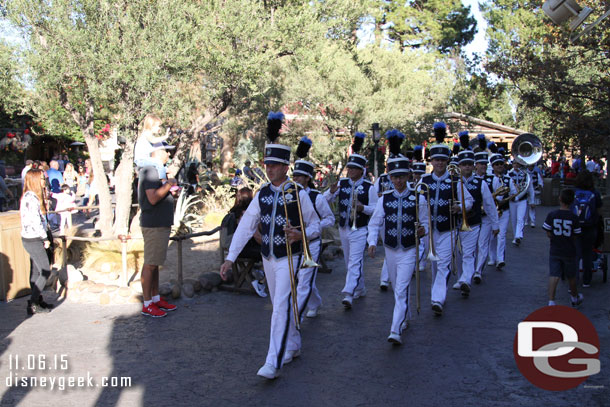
(479, 44)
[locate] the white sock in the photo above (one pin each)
(156, 298)
(147, 303)
(551, 302)
(574, 299)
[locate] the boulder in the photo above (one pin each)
(188, 290)
(165, 289)
(209, 280)
(111, 288)
(195, 283)
(176, 291)
(96, 288)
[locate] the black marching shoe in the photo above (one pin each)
(45, 304)
(34, 308)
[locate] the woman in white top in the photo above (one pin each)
(70, 177)
(34, 237)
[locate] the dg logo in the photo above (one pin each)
(557, 348)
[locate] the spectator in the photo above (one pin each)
(65, 200)
(587, 204)
(156, 219)
(591, 165)
(562, 227)
(82, 180)
(252, 250)
(55, 177)
(236, 181)
(91, 195)
(2, 169)
(28, 166)
(248, 171)
(571, 175)
(151, 126)
(60, 163)
(35, 238)
(4, 193)
(70, 177)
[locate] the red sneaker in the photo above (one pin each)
(153, 311)
(164, 305)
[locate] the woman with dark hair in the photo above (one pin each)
(34, 237)
(252, 250)
(587, 204)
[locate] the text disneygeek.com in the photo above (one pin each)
(27, 371)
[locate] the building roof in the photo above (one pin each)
(493, 131)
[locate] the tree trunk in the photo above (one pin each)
(124, 190)
(226, 155)
(104, 224)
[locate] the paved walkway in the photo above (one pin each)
(207, 353)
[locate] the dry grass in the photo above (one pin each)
(98, 253)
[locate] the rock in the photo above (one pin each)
(106, 268)
(175, 291)
(111, 288)
(209, 280)
(74, 274)
(124, 292)
(96, 288)
(136, 286)
(188, 290)
(195, 283)
(104, 299)
(85, 284)
(165, 289)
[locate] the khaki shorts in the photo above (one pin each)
(155, 245)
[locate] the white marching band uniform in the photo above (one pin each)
(440, 188)
(308, 294)
(469, 240)
(537, 183)
(518, 208)
(381, 185)
(387, 221)
(497, 244)
(284, 336)
(354, 241)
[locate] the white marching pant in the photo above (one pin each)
(517, 217)
(307, 292)
(401, 265)
(284, 335)
(485, 236)
(441, 268)
(383, 277)
(498, 243)
(530, 215)
(353, 243)
(469, 252)
(423, 252)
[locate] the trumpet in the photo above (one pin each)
(308, 261)
(455, 170)
(353, 212)
(431, 255)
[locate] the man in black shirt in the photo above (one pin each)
(157, 205)
(562, 226)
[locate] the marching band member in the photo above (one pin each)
(443, 206)
(418, 169)
(498, 242)
(482, 201)
(518, 207)
(382, 184)
(357, 200)
(537, 183)
(278, 234)
(308, 294)
(485, 236)
(395, 218)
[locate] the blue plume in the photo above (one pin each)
(275, 116)
(481, 136)
(358, 141)
(360, 134)
(416, 148)
(463, 133)
(440, 125)
(307, 140)
(303, 147)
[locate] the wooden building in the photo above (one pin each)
(502, 135)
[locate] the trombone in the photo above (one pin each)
(308, 261)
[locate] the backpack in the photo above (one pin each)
(584, 207)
